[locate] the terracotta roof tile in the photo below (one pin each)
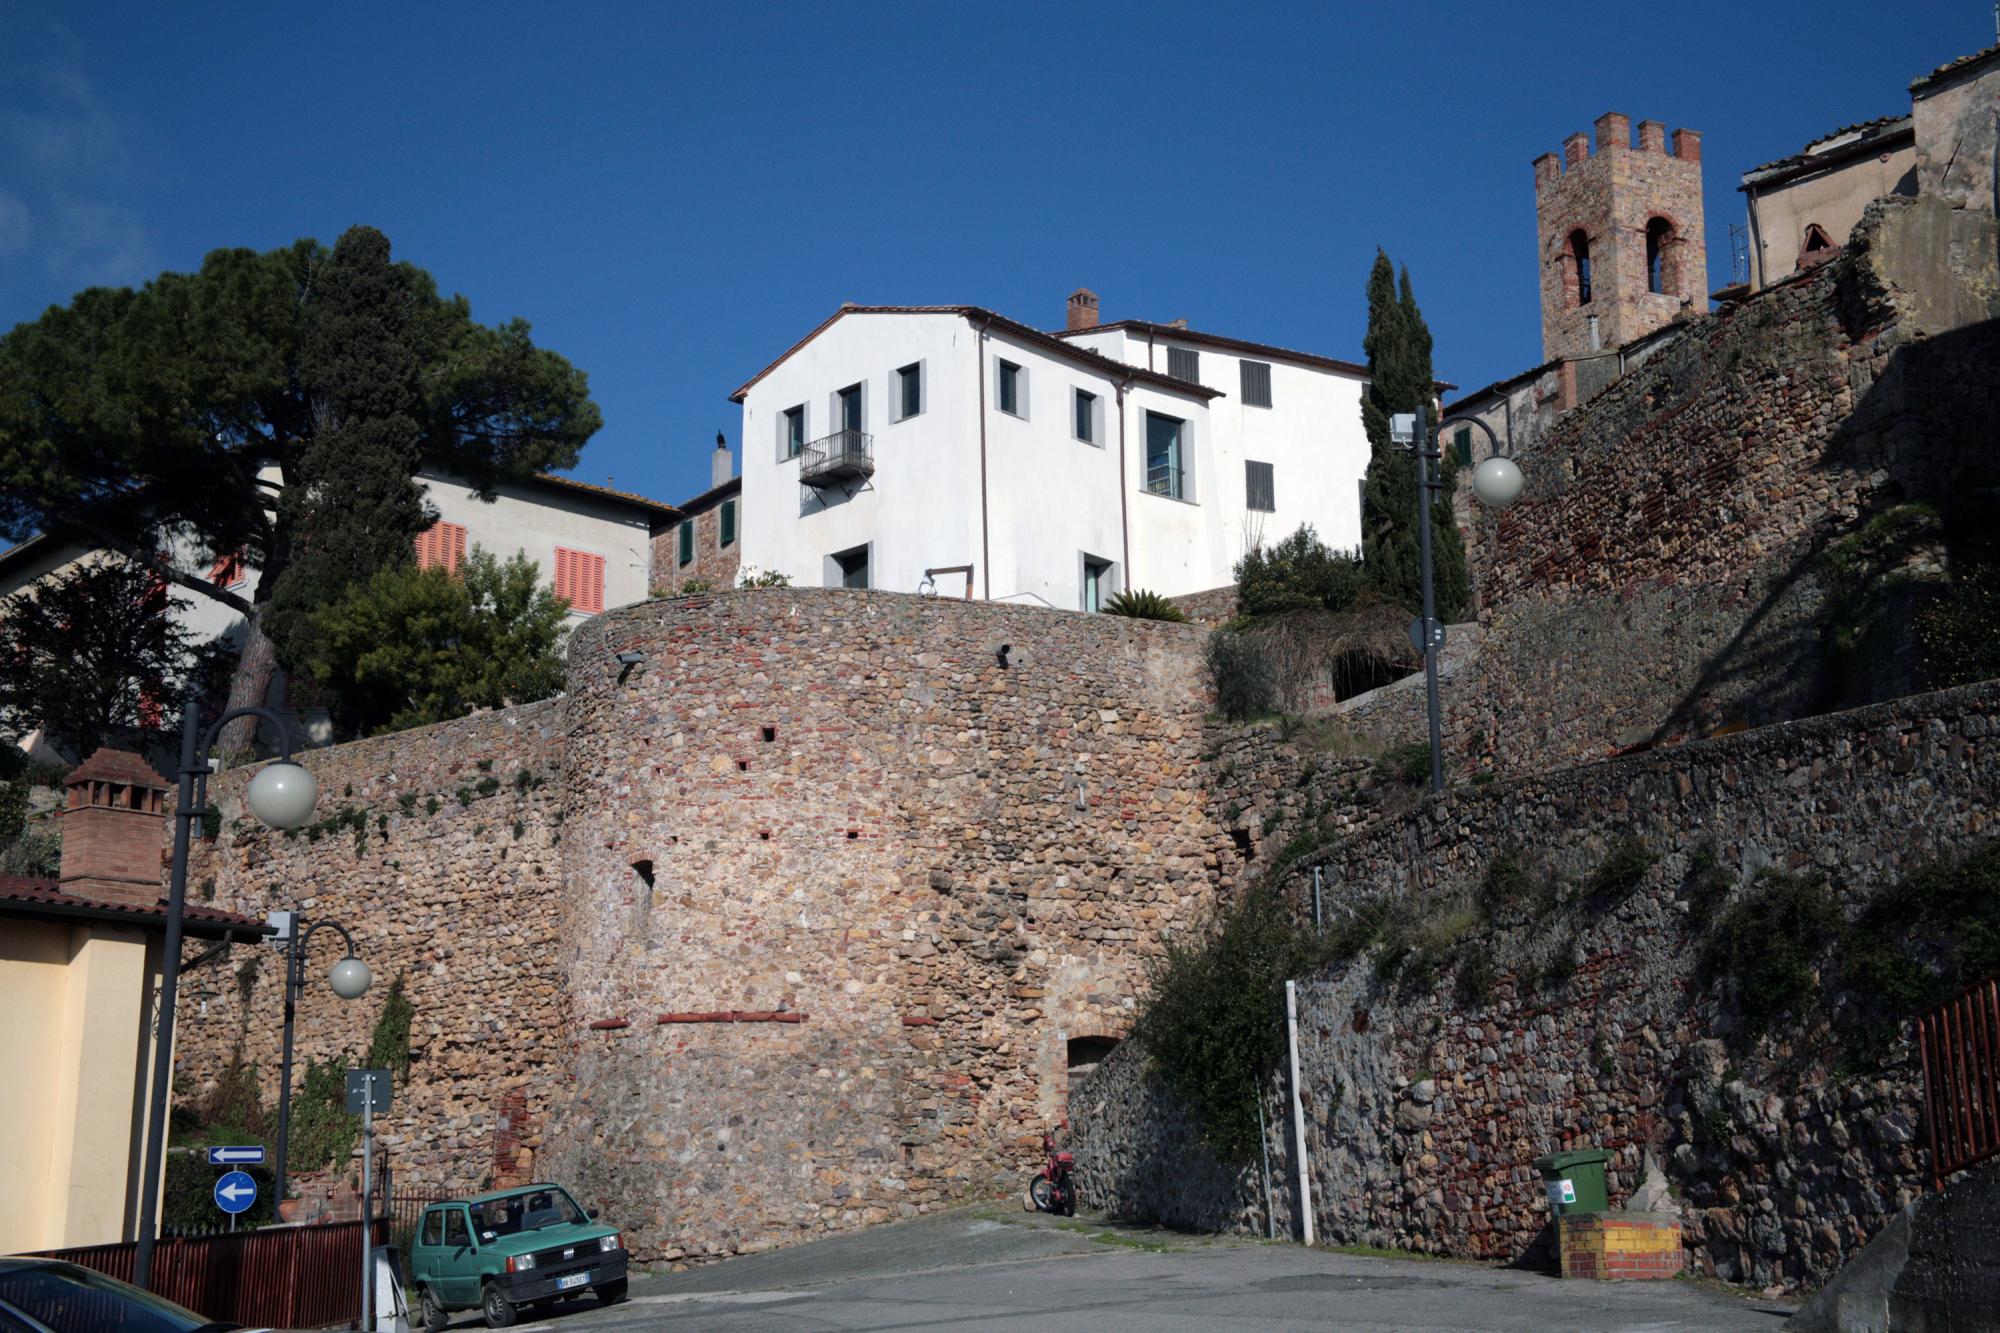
(23, 891)
(644, 502)
(1218, 340)
(1013, 328)
(1954, 66)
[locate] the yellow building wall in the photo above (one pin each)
(73, 1044)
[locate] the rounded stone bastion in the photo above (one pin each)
(852, 881)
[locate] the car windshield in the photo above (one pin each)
(70, 1299)
(530, 1210)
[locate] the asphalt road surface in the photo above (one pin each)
(990, 1269)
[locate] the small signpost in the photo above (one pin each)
(244, 1156)
(235, 1191)
(367, 1093)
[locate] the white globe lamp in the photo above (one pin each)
(349, 978)
(282, 794)
(1497, 482)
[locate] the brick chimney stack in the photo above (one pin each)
(1082, 309)
(113, 812)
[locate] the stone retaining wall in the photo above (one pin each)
(1426, 1104)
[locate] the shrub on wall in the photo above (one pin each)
(389, 1046)
(1213, 1021)
(1240, 674)
(323, 1133)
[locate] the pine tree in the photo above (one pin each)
(1398, 343)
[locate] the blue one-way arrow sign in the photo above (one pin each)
(236, 1156)
(235, 1192)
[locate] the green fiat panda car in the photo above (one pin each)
(498, 1252)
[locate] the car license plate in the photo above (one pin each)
(573, 1280)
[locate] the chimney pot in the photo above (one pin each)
(1082, 309)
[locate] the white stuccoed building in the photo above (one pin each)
(895, 441)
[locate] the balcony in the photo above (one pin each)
(837, 459)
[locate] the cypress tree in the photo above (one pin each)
(1398, 343)
(357, 504)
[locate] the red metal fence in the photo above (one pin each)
(1960, 1043)
(290, 1277)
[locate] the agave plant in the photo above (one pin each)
(1140, 604)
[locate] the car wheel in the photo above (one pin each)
(612, 1292)
(434, 1316)
(499, 1311)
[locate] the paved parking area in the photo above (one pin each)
(989, 1269)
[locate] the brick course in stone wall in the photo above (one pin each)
(1426, 1107)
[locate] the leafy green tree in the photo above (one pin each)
(1398, 343)
(95, 654)
(1300, 573)
(358, 504)
(423, 645)
(128, 416)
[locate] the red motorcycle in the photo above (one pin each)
(1054, 1190)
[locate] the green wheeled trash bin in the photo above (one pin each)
(1575, 1181)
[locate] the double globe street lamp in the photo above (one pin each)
(1497, 482)
(349, 979)
(281, 795)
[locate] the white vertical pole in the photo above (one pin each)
(1298, 1113)
(367, 1199)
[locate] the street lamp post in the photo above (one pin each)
(349, 979)
(1497, 483)
(282, 796)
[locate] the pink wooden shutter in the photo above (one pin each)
(580, 579)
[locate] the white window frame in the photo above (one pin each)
(896, 412)
(1107, 581)
(785, 454)
(834, 421)
(1020, 409)
(1096, 437)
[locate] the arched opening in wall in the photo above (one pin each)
(1579, 267)
(1085, 1055)
(1659, 236)
(1816, 248)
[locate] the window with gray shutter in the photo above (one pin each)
(1256, 384)
(1260, 487)
(1184, 363)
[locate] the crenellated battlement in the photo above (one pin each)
(1613, 134)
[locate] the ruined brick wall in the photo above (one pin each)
(438, 849)
(1661, 576)
(1427, 1101)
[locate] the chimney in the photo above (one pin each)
(1082, 309)
(721, 463)
(113, 819)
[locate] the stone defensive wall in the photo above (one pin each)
(1662, 576)
(439, 849)
(796, 923)
(1592, 1023)
(855, 877)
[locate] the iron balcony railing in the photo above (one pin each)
(836, 459)
(1960, 1043)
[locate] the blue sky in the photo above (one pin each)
(673, 193)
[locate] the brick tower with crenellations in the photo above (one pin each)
(1620, 231)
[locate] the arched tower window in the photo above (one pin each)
(1579, 250)
(1658, 232)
